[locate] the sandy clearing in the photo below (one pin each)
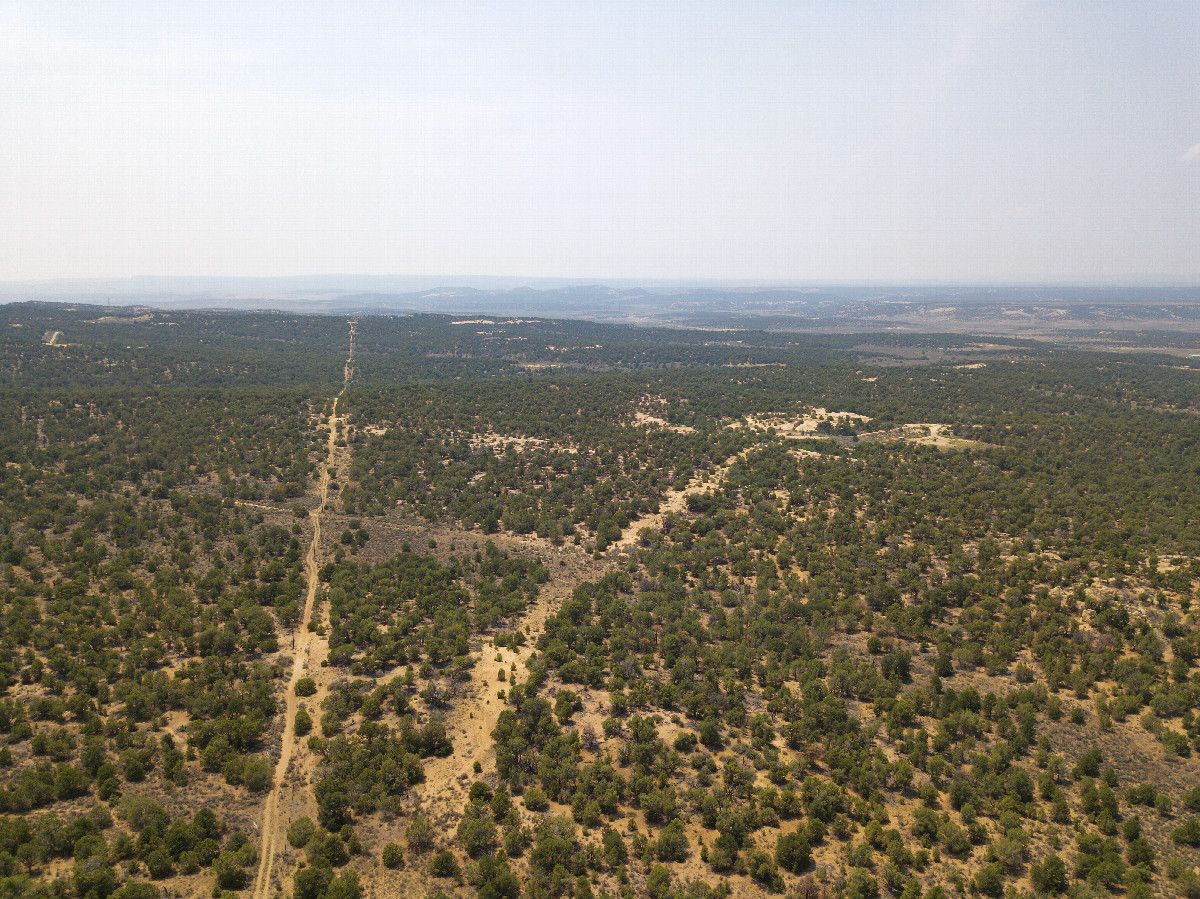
(798, 427)
(938, 436)
(645, 419)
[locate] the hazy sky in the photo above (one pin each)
(925, 141)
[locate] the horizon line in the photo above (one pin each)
(464, 280)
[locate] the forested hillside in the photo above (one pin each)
(418, 605)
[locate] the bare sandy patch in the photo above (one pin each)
(674, 503)
(499, 443)
(121, 320)
(806, 426)
(938, 436)
(645, 419)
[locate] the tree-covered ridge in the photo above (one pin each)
(112, 346)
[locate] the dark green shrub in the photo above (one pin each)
(444, 864)
(419, 834)
(256, 774)
(990, 880)
(392, 857)
(300, 832)
(792, 852)
(535, 800)
(1187, 833)
(1050, 876)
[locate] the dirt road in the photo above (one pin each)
(309, 649)
(448, 780)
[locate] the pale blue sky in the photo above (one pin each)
(911, 141)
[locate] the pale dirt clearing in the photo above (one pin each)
(645, 419)
(471, 718)
(938, 436)
(649, 414)
(799, 427)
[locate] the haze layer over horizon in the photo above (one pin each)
(926, 142)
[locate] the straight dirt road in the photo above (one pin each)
(305, 644)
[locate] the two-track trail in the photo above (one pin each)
(308, 649)
(443, 792)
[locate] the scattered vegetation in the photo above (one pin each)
(837, 659)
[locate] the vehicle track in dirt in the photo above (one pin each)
(474, 714)
(674, 503)
(308, 647)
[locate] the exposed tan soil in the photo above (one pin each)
(798, 427)
(654, 421)
(498, 443)
(472, 714)
(935, 435)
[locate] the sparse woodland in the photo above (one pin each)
(601, 611)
